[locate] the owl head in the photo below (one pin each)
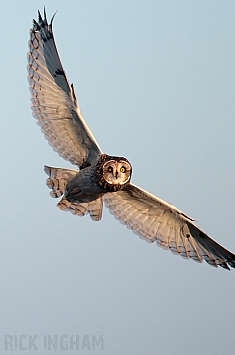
(117, 171)
(114, 172)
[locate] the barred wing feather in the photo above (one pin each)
(155, 220)
(54, 102)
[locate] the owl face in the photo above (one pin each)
(117, 171)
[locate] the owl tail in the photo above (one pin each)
(57, 181)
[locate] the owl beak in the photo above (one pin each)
(116, 174)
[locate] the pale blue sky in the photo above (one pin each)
(156, 83)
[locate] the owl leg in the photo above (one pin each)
(57, 182)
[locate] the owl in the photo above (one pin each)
(101, 178)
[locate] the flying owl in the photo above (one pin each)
(101, 177)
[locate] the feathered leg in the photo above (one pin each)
(57, 181)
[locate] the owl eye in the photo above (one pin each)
(123, 169)
(110, 169)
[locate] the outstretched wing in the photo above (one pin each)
(157, 221)
(54, 103)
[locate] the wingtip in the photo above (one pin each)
(225, 266)
(44, 21)
(39, 16)
(53, 18)
(231, 262)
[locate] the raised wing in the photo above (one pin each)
(157, 221)
(54, 103)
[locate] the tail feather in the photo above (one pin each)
(94, 208)
(79, 209)
(57, 181)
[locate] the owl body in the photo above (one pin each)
(102, 178)
(83, 187)
(110, 174)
